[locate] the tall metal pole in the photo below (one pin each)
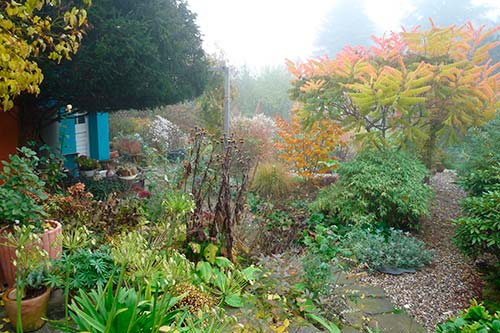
(227, 103)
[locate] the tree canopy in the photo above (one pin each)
(413, 89)
(30, 29)
(137, 54)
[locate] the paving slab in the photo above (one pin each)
(396, 323)
(355, 318)
(362, 291)
(372, 305)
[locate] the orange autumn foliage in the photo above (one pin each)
(308, 150)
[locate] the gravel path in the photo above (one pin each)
(442, 289)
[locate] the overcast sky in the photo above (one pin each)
(265, 32)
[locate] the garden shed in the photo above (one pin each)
(82, 133)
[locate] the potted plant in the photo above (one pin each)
(26, 303)
(87, 165)
(127, 172)
(21, 203)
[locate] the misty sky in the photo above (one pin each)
(265, 32)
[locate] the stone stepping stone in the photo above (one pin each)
(343, 279)
(396, 323)
(355, 318)
(361, 291)
(372, 306)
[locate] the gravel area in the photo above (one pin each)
(439, 291)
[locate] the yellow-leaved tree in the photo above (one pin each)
(30, 29)
(415, 89)
(309, 150)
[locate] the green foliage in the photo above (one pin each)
(87, 163)
(323, 242)
(124, 310)
(35, 280)
(475, 320)
(226, 282)
(275, 228)
(87, 269)
(378, 187)
(318, 274)
(50, 167)
(272, 181)
(379, 250)
(22, 191)
(149, 53)
(279, 294)
(103, 188)
(324, 251)
(479, 158)
(478, 231)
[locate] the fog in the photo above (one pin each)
(262, 33)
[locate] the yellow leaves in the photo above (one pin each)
(281, 329)
(24, 36)
(306, 150)
(313, 86)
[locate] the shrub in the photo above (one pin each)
(272, 181)
(309, 151)
(257, 133)
(380, 251)
(479, 231)
(378, 187)
(479, 166)
(475, 319)
(166, 135)
(103, 188)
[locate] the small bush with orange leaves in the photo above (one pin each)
(309, 151)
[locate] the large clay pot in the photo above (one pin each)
(32, 310)
(48, 243)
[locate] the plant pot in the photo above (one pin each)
(88, 173)
(128, 177)
(48, 242)
(32, 310)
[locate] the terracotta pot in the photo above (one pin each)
(32, 310)
(48, 243)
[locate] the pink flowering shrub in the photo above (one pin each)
(257, 133)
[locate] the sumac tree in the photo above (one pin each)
(412, 89)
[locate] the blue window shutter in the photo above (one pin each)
(99, 135)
